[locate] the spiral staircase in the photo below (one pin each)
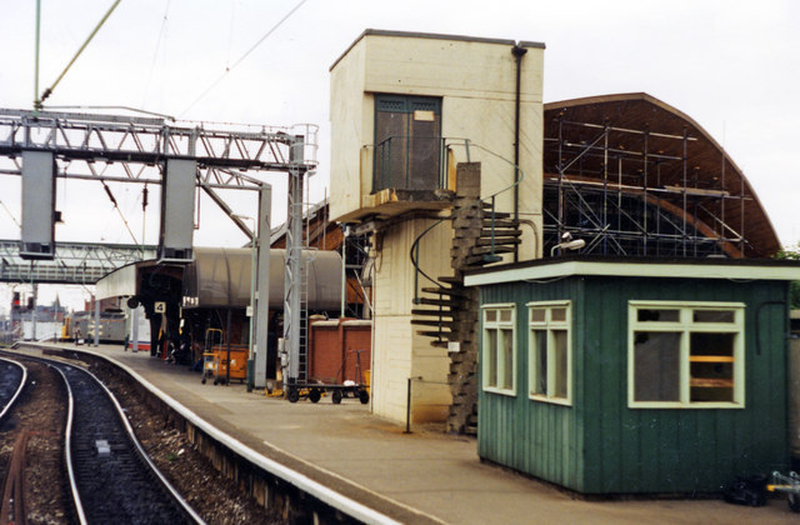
(447, 311)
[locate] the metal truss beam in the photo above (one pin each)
(132, 149)
(74, 263)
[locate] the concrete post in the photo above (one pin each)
(33, 311)
(96, 320)
(135, 335)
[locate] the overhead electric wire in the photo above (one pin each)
(10, 214)
(158, 47)
(121, 215)
(117, 108)
(49, 91)
(245, 55)
(230, 35)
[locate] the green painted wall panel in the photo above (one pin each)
(533, 437)
(599, 445)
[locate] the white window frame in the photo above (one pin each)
(685, 326)
(549, 325)
(500, 363)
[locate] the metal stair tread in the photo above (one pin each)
(439, 302)
(433, 333)
(483, 250)
(508, 239)
(445, 291)
(433, 322)
(432, 313)
(500, 223)
(501, 232)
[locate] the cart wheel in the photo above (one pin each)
(216, 381)
(336, 397)
(794, 502)
(292, 394)
(203, 381)
(314, 395)
(363, 396)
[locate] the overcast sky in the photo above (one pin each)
(732, 66)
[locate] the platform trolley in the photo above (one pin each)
(348, 388)
(213, 337)
(209, 366)
(790, 485)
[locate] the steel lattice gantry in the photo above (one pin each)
(74, 263)
(134, 149)
(93, 141)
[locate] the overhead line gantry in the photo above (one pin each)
(42, 145)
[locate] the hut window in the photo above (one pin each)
(499, 361)
(549, 355)
(691, 358)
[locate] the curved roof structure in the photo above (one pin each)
(636, 145)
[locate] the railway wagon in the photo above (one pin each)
(111, 329)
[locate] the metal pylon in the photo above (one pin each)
(293, 307)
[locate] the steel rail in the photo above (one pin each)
(131, 435)
(22, 383)
(140, 449)
(331, 497)
(73, 484)
(13, 509)
(316, 489)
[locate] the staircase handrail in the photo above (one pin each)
(414, 253)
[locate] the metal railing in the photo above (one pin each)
(410, 162)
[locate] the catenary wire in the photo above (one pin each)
(242, 58)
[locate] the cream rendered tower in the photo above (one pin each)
(406, 108)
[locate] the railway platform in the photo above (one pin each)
(426, 476)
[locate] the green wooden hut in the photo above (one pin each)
(635, 376)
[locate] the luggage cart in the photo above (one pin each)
(790, 485)
(209, 358)
(209, 366)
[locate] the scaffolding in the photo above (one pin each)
(645, 186)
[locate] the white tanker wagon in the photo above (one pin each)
(220, 278)
(180, 302)
(216, 297)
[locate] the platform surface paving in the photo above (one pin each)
(422, 477)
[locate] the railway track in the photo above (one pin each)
(13, 376)
(110, 477)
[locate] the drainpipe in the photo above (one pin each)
(518, 53)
